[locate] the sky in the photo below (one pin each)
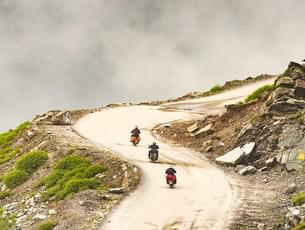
(81, 54)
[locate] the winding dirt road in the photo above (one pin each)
(204, 197)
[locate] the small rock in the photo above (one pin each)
(135, 169)
(239, 167)
(247, 170)
(39, 217)
(119, 190)
(81, 203)
(291, 188)
(3, 187)
(52, 212)
(271, 161)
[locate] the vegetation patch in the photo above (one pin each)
(257, 93)
(7, 154)
(47, 225)
(6, 222)
(298, 199)
(216, 89)
(300, 227)
(31, 161)
(8, 136)
(4, 194)
(24, 167)
(15, 177)
(71, 175)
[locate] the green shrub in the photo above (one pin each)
(93, 170)
(77, 185)
(8, 136)
(71, 175)
(298, 199)
(300, 227)
(216, 89)
(71, 162)
(32, 161)
(7, 154)
(15, 177)
(47, 225)
(4, 194)
(257, 93)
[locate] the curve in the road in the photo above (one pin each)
(203, 197)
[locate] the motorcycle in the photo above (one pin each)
(153, 155)
(171, 180)
(135, 140)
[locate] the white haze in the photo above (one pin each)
(86, 53)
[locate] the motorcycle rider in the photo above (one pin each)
(153, 148)
(170, 172)
(136, 132)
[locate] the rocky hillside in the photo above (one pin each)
(261, 140)
(52, 178)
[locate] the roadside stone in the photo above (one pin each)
(233, 157)
(236, 155)
(291, 189)
(271, 162)
(193, 128)
(119, 190)
(205, 130)
(239, 167)
(247, 170)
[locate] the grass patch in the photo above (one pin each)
(4, 194)
(6, 222)
(299, 227)
(71, 175)
(7, 154)
(15, 177)
(257, 93)
(47, 225)
(216, 89)
(31, 161)
(8, 136)
(298, 199)
(24, 167)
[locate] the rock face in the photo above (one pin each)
(289, 95)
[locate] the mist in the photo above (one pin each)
(82, 54)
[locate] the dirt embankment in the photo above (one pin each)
(275, 122)
(25, 206)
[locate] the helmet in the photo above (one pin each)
(136, 127)
(154, 143)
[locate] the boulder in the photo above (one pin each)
(285, 82)
(247, 170)
(236, 155)
(300, 88)
(233, 157)
(248, 148)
